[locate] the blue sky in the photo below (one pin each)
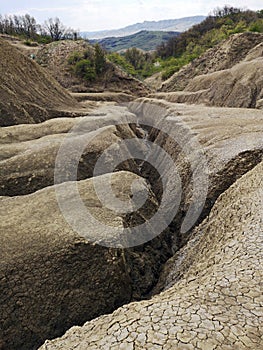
(92, 15)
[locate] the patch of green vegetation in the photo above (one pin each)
(135, 62)
(85, 69)
(257, 26)
(120, 61)
(99, 60)
(30, 43)
(75, 57)
(180, 50)
(89, 64)
(211, 31)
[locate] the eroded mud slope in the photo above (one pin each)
(28, 93)
(214, 288)
(45, 259)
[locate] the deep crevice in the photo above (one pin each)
(219, 182)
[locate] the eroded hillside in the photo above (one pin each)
(221, 57)
(55, 58)
(28, 93)
(229, 75)
(42, 251)
(214, 299)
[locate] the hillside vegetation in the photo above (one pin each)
(178, 51)
(228, 75)
(221, 57)
(82, 68)
(224, 22)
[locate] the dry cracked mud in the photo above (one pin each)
(209, 294)
(217, 301)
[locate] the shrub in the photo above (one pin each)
(75, 57)
(168, 72)
(100, 59)
(88, 54)
(121, 62)
(85, 69)
(257, 26)
(30, 43)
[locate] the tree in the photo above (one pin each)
(18, 24)
(226, 11)
(85, 69)
(29, 25)
(55, 28)
(100, 60)
(135, 57)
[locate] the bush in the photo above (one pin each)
(135, 57)
(168, 72)
(88, 55)
(100, 60)
(257, 26)
(44, 39)
(85, 69)
(75, 57)
(241, 27)
(30, 43)
(120, 61)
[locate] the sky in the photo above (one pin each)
(94, 15)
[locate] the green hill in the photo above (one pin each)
(212, 30)
(171, 55)
(180, 50)
(144, 40)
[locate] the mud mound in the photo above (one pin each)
(53, 277)
(20, 45)
(254, 53)
(216, 303)
(36, 159)
(223, 56)
(28, 93)
(55, 58)
(232, 142)
(118, 97)
(240, 86)
(154, 81)
(56, 280)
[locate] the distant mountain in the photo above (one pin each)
(144, 40)
(176, 25)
